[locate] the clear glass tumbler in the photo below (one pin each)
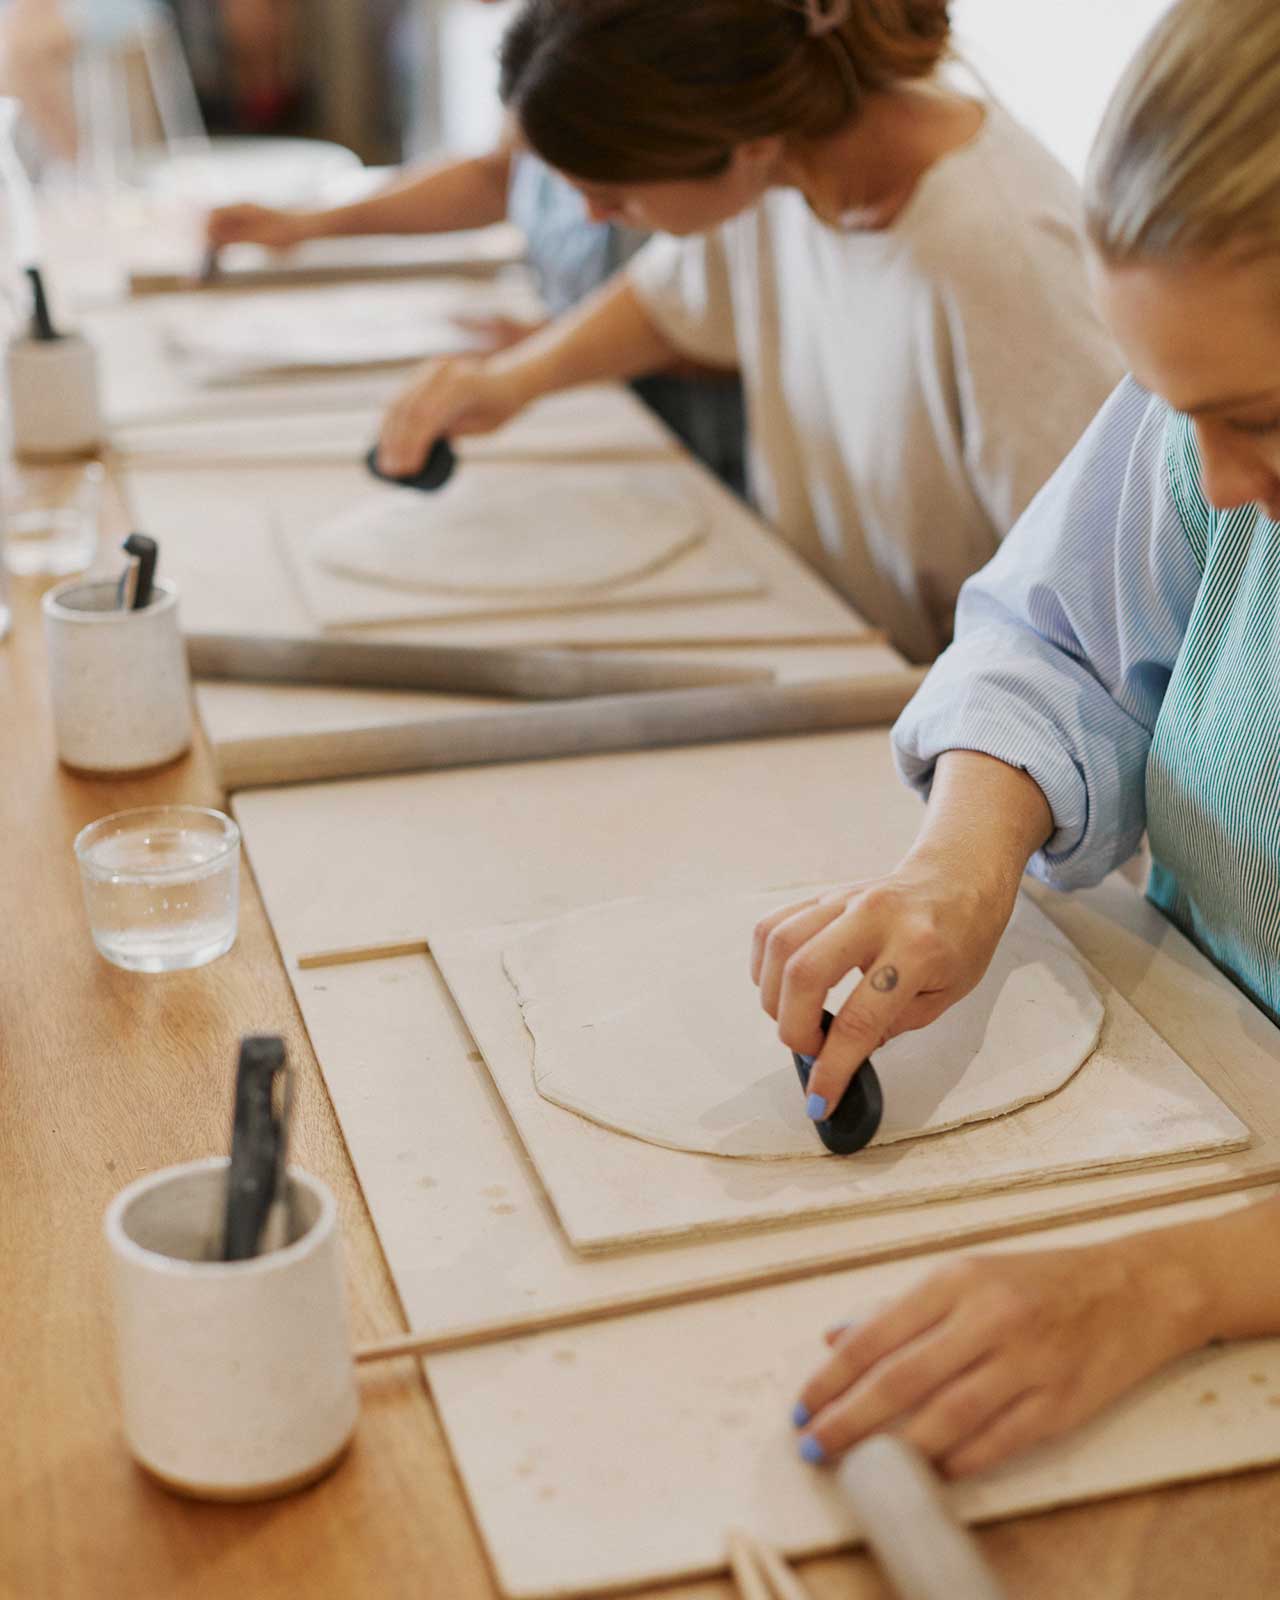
(51, 520)
(161, 886)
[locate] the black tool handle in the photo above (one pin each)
(856, 1120)
(257, 1144)
(148, 553)
(42, 326)
(433, 474)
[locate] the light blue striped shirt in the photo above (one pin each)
(1066, 640)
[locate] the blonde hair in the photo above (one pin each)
(1187, 161)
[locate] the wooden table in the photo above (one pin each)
(106, 1075)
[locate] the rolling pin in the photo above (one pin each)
(926, 1552)
(522, 674)
(570, 728)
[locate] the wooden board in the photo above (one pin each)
(621, 1454)
(598, 420)
(447, 1178)
(145, 381)
(1133, 1103)
(170, 265)
(218, 542)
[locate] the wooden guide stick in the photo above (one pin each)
(569, 728)
(523, 674)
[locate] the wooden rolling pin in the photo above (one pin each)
(570, 728)
(454, 669)
(927, 1553)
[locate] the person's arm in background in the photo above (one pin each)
(609, 336)
(464, 193)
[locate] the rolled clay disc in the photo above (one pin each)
(644, 1019)
(534, 532)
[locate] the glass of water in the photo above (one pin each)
(52, 520)
(161, 886)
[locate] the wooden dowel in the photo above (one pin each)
(569, 728)
(786, 1585)
(523, 674)
(353, 954)
(902, 1514)
(743, 1563)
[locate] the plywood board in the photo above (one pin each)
(579, 424)
(467, 1229)
(219, 542)
(621, 1454)
(169, 264)
(1133, 1103)
(144, 380)
(239, 339)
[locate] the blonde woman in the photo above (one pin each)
(894, 266)
(1116, 666)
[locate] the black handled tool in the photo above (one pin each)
(433, 474)
(855, 1121)
(134, 590)
(259, 1143)
(42, 327)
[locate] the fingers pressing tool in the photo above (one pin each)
(258, 1189)
(856, 1119)
(434, 473)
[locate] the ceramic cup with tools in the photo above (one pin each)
(121, 691)
(236, 1377)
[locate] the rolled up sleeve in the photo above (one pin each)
(1065, 643)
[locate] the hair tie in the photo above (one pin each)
(825, 15)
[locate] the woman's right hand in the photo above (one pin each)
(922, 936)
(250, 224)
(457, 395)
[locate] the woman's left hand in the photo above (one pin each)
(997, 1352)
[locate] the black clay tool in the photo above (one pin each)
(854, 1122)
(137, 580)
(42, 327)
(434, 473)
(259, 1139)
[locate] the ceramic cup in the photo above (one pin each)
(121, 691)
(53, 397)
(236, 1377)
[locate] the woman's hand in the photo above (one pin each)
(922, 937)
(250, 224)
(462, 394)
(995, 1353)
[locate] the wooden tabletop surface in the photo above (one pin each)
(106, 1075)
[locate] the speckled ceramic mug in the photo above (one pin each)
(236, 1377)
(121, 689)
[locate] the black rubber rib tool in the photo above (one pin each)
(854, 1122)
(259, 1137)
(433, 474)
(133, 596)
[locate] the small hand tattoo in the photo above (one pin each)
(884, 979)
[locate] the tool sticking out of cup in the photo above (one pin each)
(133, 591)
(259, 1195)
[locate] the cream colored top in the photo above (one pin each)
(908, 390)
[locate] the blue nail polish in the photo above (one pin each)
(816, 1108)
(811, 1451)
(801, 1416)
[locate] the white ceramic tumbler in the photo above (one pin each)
(121, 689)
(54, 405)
(236, 1377)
